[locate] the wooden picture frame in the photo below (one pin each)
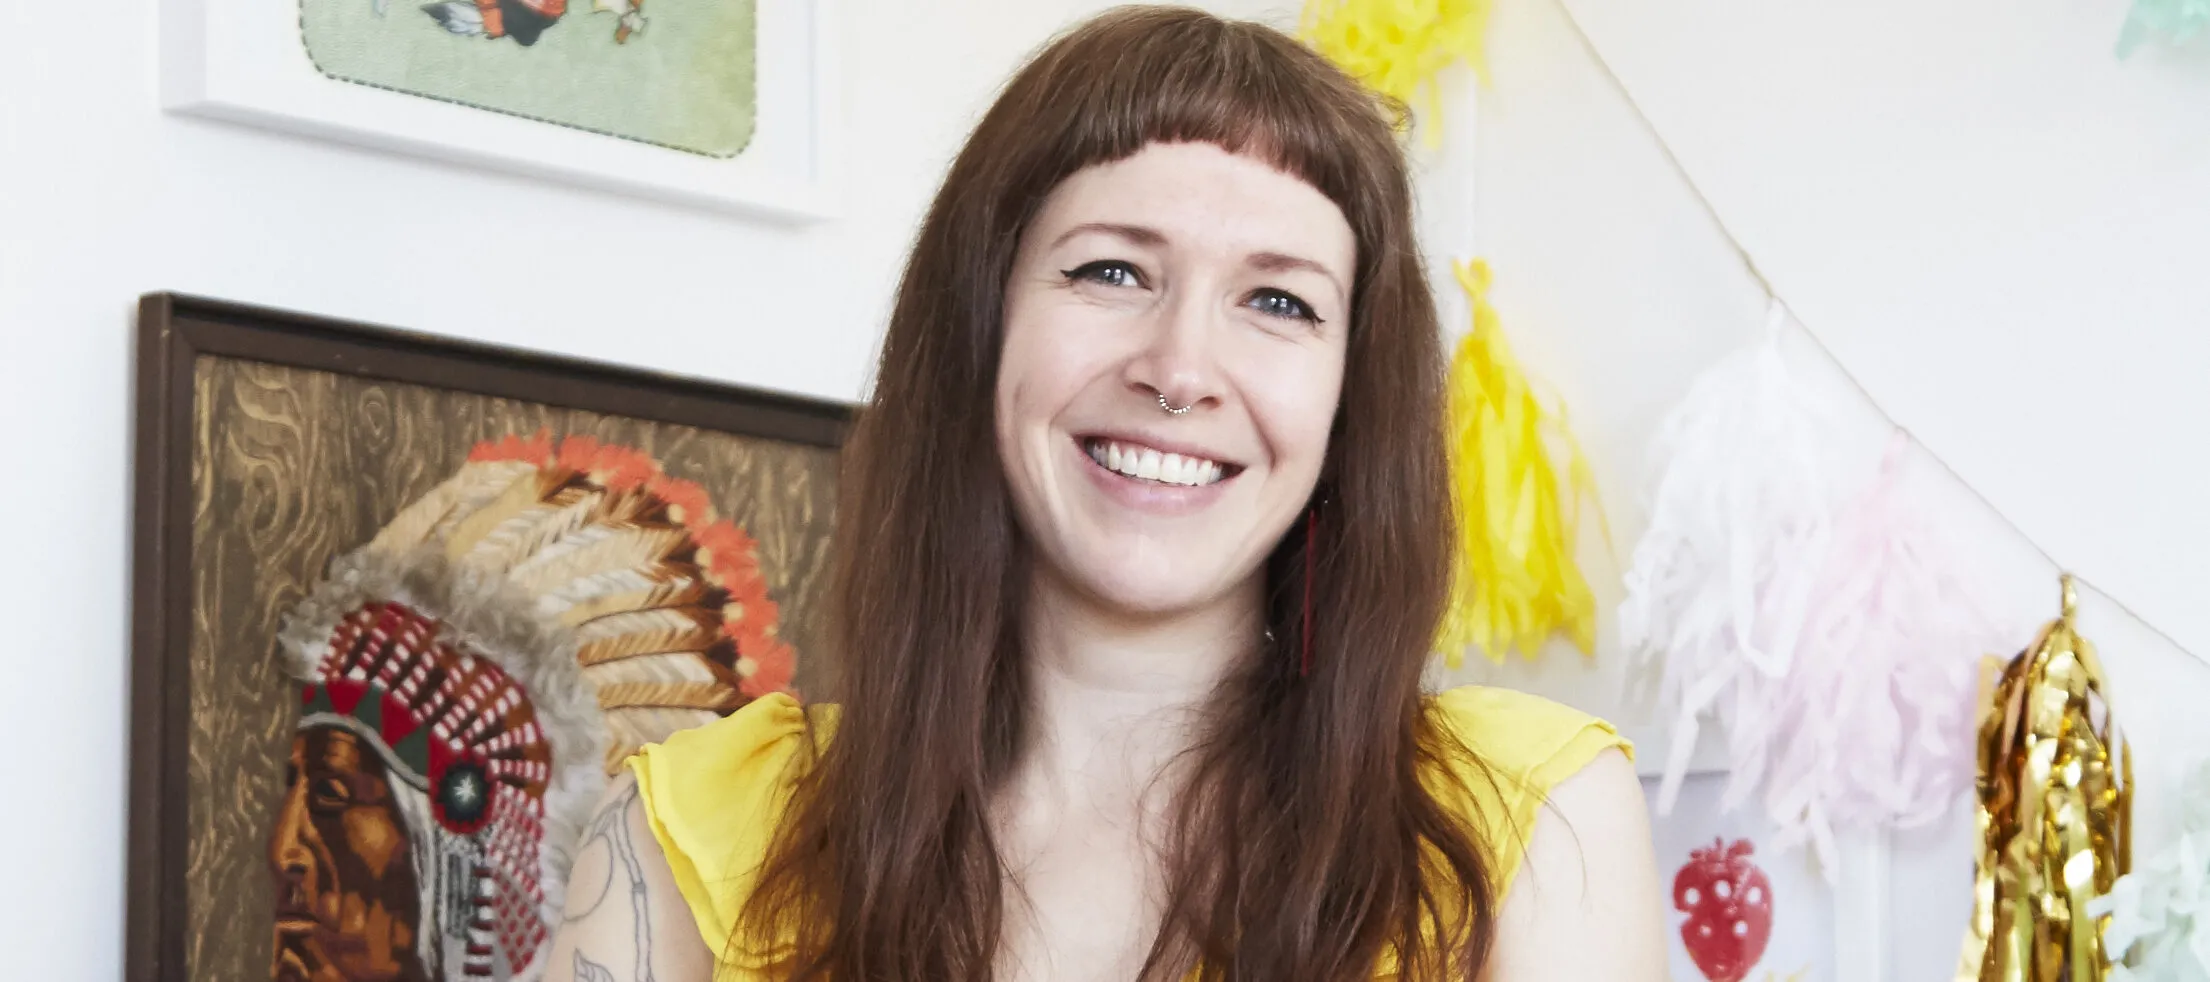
(179, 339)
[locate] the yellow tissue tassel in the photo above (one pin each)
(1396, 47)
(2055, 815)
(1514, 579)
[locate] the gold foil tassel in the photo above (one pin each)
(2055, 814)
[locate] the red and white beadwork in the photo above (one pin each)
(483, 760)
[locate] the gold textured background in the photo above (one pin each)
(292, 467)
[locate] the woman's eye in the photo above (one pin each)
(1275, 303)
(1105, 272)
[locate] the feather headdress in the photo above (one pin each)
(670, 609)
(507, 640)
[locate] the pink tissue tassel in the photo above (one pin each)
(1873, 725)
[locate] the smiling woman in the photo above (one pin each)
(1142, 550)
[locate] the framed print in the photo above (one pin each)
(400, 608)
(1737, 910)
(728, 103)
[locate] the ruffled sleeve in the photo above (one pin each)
(1529, 745)
(713, 796)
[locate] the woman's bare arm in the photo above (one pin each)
(1585, 905)
(625, 920)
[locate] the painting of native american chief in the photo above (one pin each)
(468, 680)
(401, 606)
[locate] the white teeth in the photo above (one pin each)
(1147, 464)
(1170, 469)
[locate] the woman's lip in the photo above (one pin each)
(1148, 496)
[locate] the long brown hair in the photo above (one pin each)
(1313, 833)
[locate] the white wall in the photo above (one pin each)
(1618, 286)
(102, 198)
(1996, 225)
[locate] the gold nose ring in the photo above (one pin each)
(1171, 410)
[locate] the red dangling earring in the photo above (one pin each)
(1312, 536)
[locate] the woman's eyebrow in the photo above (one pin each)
(1279, 262)
(1142, 235)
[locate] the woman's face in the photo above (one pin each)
(1207, 277)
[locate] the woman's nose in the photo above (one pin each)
(1179, 364)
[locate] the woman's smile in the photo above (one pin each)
(1148, 463)
(1151, 476)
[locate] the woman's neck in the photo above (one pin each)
(1115, 697)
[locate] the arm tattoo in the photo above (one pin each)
(611, 826)
(591, 971)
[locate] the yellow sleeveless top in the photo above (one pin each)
(713, 794)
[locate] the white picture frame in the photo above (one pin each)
(1858, 895)
(243, 61)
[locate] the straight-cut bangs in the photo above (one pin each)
(1145, 75)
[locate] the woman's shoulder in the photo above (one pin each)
(756, 741)
(731, 772)
(1519, 734)
(1522, 747)
(714, 794)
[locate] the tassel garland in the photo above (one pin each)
(1740, 518)
(1834, 641)
(1872, 725)
(1515, 580)
(2055, 815)
(1396, 47)
(2160, 914)
(2179, 21)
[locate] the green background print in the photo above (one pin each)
(686, 81)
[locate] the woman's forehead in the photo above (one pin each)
(1200, 201)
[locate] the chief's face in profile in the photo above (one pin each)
(1209, 278)
(346, 901)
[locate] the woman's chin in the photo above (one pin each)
(1149, 597)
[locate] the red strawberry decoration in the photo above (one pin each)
(1730, 909)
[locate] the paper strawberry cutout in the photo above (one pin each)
(1730, 909)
